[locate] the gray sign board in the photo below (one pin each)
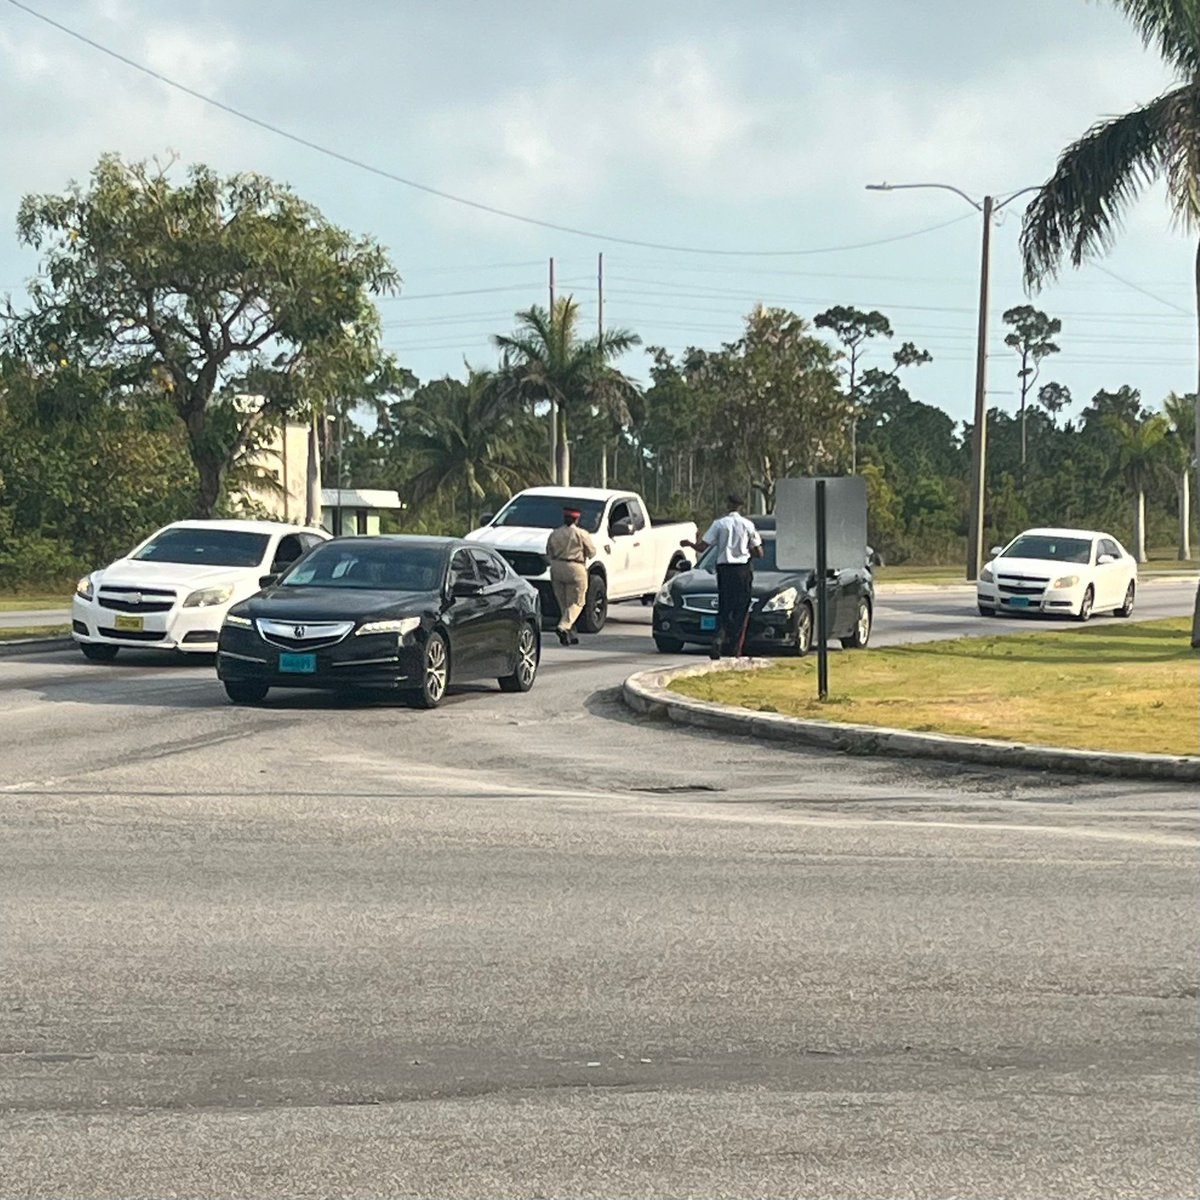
(845, 520)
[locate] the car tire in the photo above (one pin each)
(986, 611)
(435, 672)
(1086, 605)
(98, 651)
(668, 645)
(528, 657)
(1126, 609)
(246, 691)
(803, 639)
(862, 627)
(595, 605)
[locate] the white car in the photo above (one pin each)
(172, 592)
(1074, 572)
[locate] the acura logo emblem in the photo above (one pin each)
(298, 630)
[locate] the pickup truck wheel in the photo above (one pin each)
(667, 645)
(595, 607)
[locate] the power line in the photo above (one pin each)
(478, 205)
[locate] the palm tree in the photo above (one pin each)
(546, 359)
(469, 442)
(1140, 454)
(1180, 445)
(1079, 208)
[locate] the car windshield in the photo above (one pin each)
(378, 567)
(546, 512)
(708, 560)
(1053, 549)
(206, 547)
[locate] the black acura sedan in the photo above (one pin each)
(783, 612)
(408, 613)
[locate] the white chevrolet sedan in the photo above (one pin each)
(172, 592)
(1073, 572)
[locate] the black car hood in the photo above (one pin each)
(766, 583)
(335, 604)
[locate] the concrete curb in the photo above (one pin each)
(34, 644)
(647, 693)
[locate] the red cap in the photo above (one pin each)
(571, 512)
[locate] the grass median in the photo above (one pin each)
(26, 602)
(33, 631)
(1117, 686)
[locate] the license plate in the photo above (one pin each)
(708, 623)
(1019, 602)
(130, 623)
(298, 664)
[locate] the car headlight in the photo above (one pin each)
(84, 589)
(400, 627)
(783, 601)
(1066, 581)
(206, 597)
(242, 622)
(985, 575)
(665, 595)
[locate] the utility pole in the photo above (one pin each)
(600, 335)
(553, 403)
(979, 433)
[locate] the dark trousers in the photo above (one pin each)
(734, 581)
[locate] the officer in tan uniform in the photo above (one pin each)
(569, 549)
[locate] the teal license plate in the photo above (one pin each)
(1019, 602)
(297, 664)
(708, 623)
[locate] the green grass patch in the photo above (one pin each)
(28, 631)
(1131, 686)
(23, 601)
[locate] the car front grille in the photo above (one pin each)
(303, 635)
(705, 602)
(135, 600)
(526, 563)
(133, 635)
(1021, 585)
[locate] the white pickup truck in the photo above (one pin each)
(634, 554)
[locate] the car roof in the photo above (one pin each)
(411, 540)
(1078, 533)
(578, 493)
(236, 525)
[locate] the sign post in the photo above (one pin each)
(822, 538)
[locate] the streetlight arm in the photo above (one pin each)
(1007, 199)
(945, 187)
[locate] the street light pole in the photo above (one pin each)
(988, 207)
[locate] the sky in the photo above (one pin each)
(736, 139)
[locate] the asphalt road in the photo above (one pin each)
(529, 946)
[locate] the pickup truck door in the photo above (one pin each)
(632, 558)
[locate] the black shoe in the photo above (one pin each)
(574, 640)
(714, 652)
(563, 637)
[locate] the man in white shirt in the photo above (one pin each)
(737, 542)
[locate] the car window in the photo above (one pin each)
(462, 567)
(619, 512)
(1050, 547)
(309, 540)
(1107, 546)
(380, 566)
(490, 568)
(289, 549)
(546, 512)
(205, 547)
(637, 515)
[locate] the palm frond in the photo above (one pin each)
(1172, 27)
(1079, 209)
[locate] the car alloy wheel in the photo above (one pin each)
(1126, 609)
(1085, 605)
(804, 631)
(435, 673)
(862, 628)
(521, 680)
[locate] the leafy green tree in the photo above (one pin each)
(546, 359)
(1031, 337)
(853, 328)
(1140, 453)
(1079, 209)
(1054, 397)
(233, 298)
(468, 444)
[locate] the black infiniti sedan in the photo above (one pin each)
(409, 613)
(783, 612)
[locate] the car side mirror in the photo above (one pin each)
(486, 518)
(621, 528)
(266, 581)
(465, 587)
(995, 551)
(1105, 559)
